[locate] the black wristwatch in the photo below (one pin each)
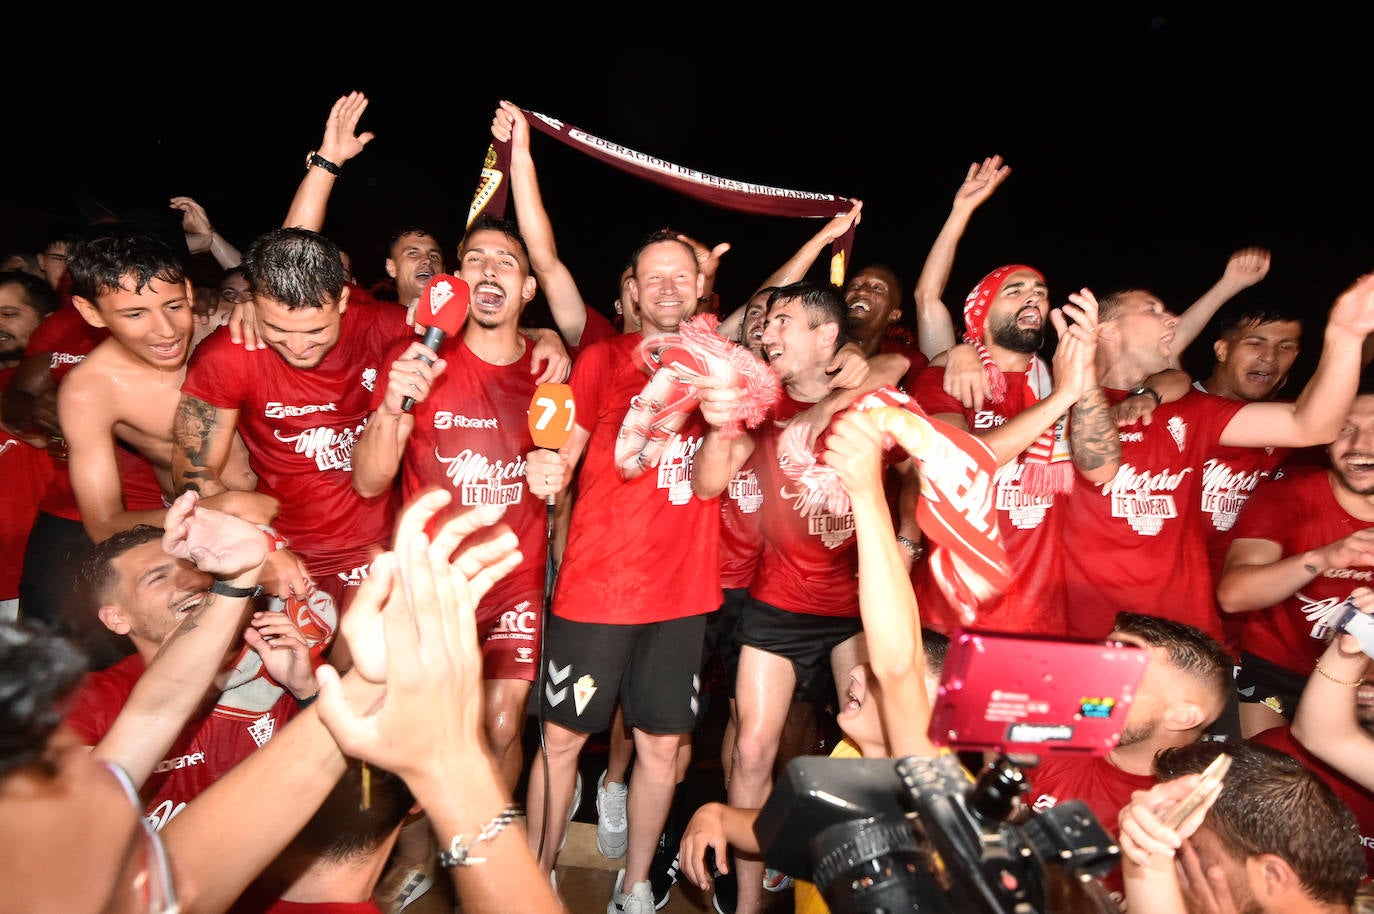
(314, 158)
(225, 589)
(1143, 389)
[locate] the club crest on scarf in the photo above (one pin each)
(957, 509)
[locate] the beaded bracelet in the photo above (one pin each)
(459, 854)
(1354, 684)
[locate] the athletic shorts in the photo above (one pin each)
(720, 630)
(802, 638)
(510, 639)
(654, 668)
(1260, 682)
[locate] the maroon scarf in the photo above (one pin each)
(741, 196)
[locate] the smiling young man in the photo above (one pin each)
(116, 406)
(301, 410)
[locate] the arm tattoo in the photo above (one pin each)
(1094, 440)
(192, 429)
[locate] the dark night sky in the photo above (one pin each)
(1145, 146)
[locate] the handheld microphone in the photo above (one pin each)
(552, 413)
(443, 308)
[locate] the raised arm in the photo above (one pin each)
(1244, 268)
(176, 681)
(887, 603)
(565, 300)
(201, 237)
(934, 324)
(340, 143)
(798, 265)
(1327, 720)
(202, 435)
(376, 458)
(422, 640)
(1319, 412)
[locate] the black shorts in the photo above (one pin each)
(1260, 682)
(655, 670)
(802, 638)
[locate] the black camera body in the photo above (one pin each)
(919, 834)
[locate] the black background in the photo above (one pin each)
(1146, 145)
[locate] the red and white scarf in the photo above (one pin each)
(957, 510)
(1048, 465)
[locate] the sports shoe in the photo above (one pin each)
(572, 811)
(639, 900)
(661, 881)
(726, 893)
(612, 828)
(398, 891)
(773, 881)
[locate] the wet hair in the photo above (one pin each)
(1189, 649)
(35, 291)
(296, 268)
(37, 670)
(97, 574)
(492, 223)
(822, 302)
(341, 829)
(103, 260)
(1270, 803)
(1109, 304)
(405, 230)
(1233, 320)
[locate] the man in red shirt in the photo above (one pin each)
(638, 576)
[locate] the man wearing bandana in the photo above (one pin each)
(1023, 421)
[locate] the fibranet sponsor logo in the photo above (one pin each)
(275, 410)
(444, 419)
(180, 761)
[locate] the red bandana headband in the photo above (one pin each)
(976, 317)
(727, 193)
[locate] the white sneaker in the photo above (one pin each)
(612, 827)
(572, 811)
(639, 900)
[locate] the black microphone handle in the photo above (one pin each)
(434, 338)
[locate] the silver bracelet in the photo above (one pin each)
(913, 548)
(460, 854)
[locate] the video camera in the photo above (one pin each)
(921, 834)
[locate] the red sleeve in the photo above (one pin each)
(596, 329)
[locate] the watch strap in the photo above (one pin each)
(314, 158)
(225, 589)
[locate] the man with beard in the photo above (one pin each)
(1300, 543)
(468, 431)
(1022, 421)
(1183, 690)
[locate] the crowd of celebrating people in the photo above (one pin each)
(284, 575)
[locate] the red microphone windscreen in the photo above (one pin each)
(551, 415)
(444, 304)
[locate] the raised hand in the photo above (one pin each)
(982, 179)
(1246, 267)
(341, 140)
(218, 543)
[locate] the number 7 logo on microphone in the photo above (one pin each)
(552, 413)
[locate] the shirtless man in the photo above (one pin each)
(122, 397)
